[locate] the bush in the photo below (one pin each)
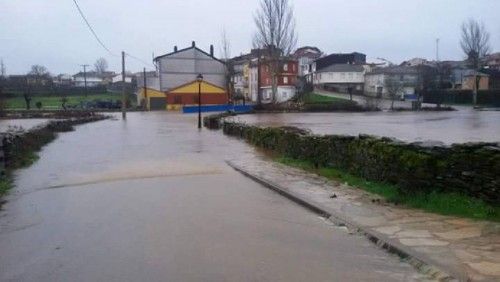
(468, 169)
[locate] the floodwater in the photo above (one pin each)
(152, 199)
(461, 126)
(17, 124)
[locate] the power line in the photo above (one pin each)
(91, 29)
(100, 41)
(135, 58)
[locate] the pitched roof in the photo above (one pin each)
(308, 51)
(106, 74)
(186, 49)
(342, 68)
(192, 87)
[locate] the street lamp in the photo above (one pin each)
(199, 78)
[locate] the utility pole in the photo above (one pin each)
(85, 78)
(124, 98)
(145, 86)
(437, 49)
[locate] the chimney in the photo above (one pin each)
(175, 48)
(211, 50)
(193, 44)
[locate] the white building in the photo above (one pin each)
(341, 77)
(182, 66)
(118, 78)
(375, 81)
(91, 79)
(305, 57)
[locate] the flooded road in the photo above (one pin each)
(449, 127)
(152, 199)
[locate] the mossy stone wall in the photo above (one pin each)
(472, 169)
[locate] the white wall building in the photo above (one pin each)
(375, 80)
(182, 66)
(340, 77)
(92, 79)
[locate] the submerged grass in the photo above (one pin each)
(440, 203)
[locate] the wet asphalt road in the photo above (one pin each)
(151, 199)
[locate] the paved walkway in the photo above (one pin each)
(156, 201)
(464, 248)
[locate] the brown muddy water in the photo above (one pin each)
(152, 199)
(465, 125)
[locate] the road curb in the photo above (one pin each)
(422, 263)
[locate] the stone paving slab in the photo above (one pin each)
(467, 249)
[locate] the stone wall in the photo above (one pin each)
(16, 145)
(472, 169)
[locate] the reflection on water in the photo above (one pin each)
(448, 127)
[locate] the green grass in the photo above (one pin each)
(5, 185)
(51, 102)
(440, 203)
(313, 98)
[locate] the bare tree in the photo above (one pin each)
(38, 78)
(3, 71)
(2, 86)
(225, 49)
(225, 53)
(275, 34)
(475, 44)
(394, 88)
(101, 65)
(38, 71)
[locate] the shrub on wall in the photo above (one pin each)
(471, 169)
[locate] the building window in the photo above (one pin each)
(285, 67)
(285, 80)
(293, 67)
(177, 100)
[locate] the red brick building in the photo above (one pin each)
(286, 80)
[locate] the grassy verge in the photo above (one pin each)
(440, 203)
(55, 101)
(5, 185)
(313, 98)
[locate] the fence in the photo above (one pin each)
(218, 108)
(484, 97)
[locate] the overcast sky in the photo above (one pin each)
(52, 33)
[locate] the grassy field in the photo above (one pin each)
(54, 102)
(313, 98)
(441, 203)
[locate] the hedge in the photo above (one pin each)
(471, 169)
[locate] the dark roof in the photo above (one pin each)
(491, 72)
(185, 49)
(340, 58)
(106, 74)
(342, 68)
